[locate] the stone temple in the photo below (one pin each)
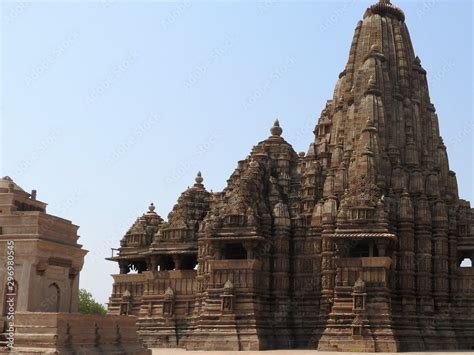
(354, 246)
(40, 264)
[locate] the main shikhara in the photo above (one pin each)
(354, 246)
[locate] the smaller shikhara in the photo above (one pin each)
(354, 246)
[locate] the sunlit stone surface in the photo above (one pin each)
(354, 246)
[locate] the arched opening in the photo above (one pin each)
(52, 303)
(188, 262)
(11, 298)
(166, 264)
(364, 249)
(235, 251)
(466, 262)
(137, 266)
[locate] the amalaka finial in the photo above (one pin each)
(276, 129)
(151, 208)
(385, 7)
(199, 179)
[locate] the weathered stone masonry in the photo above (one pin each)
(354, 246)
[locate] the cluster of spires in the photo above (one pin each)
(375, 181)
(276, 131)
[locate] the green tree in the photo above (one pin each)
(88, 305)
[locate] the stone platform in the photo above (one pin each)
(287, 352)
(73, 333)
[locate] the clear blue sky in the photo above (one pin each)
(108, 105)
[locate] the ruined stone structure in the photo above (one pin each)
(354, 246)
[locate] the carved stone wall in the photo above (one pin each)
(355, 245)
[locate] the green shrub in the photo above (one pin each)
(88, 305)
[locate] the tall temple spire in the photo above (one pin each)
(382, 122)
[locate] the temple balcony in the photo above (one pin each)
(174, 235)
(353, 243)
(375, 271)
(182, 282)
(127, 290)
(136, 290)
(246, 274)
(136, 241)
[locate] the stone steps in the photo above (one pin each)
(35, 329)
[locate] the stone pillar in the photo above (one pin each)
(328, 270)
(154, 260)
(124, 268)
(453, 251)
(177, 259)
(406, 264)
(446, 335)
(250, 249)
(440, 262)
(73, 273)
(281, 286)
(424, 291)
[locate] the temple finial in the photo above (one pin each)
(199, 179)
(385, 7)
(151, 208)
(276, 130)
